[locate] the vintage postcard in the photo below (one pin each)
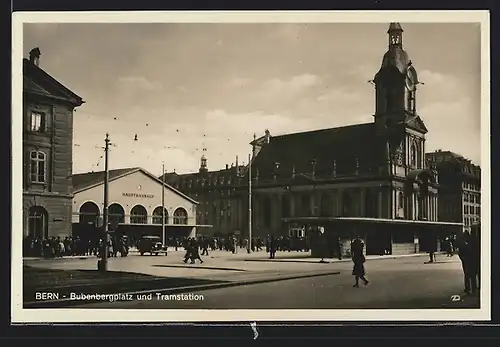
(250, 166)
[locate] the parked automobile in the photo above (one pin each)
(150, 244)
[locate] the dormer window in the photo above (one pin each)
(37, 122)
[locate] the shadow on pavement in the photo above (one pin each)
(193, 266)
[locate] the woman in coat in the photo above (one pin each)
(358, 259)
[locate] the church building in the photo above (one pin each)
(370, 180)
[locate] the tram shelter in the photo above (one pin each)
(381, 236)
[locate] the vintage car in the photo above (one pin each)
(150, 244)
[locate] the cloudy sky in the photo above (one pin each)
(183, 87)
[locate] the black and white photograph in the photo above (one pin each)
(288, 166)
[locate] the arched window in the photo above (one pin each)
(157, 215)
(89, 212)
(413, 156)
(37, 165)
(325, 205)
(180, 216)
(38, 222)
(346, 204)
(116, 214)
(266, 207)
(401, 201)
(138, 215)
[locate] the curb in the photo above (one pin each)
(64, 303)
(327, 261)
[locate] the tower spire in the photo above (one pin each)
(395, 35)
(203, 162)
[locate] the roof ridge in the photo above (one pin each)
(51, 79)
(324, 130)
(102, 171)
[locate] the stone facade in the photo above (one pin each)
(219, 195)
(460, 191)
(48, 110)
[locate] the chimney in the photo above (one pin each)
(35, 56)
(313, 163)
(267, 135)
(227, 167)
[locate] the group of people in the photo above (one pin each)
(58, 247)
(468, 247)
(54, 247)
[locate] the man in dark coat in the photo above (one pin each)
(470, 265)
(194, 252)
(358, 258)
(272, 247)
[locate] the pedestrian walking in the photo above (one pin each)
(204, 243)
(358, 258)
(193, 252)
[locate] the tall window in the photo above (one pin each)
(267, 211)
(325, 205)
(285, 206)
(37, 164)
(400, 200)
(346, 205)
(410, 100)
(37, 122)
(413, 156)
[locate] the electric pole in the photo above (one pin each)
(105, 252)
(164, 236)
(249, 204)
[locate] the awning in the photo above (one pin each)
(369, 220)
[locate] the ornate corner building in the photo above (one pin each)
(48, 108)
(460, 188)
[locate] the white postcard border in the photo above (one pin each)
(20, 315)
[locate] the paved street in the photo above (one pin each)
(219, 265)
(395, 283)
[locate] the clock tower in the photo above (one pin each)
(396, 116)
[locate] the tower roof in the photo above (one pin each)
(395, 27)
(396, 56)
